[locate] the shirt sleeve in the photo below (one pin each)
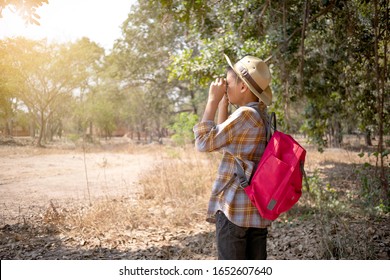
(210, 137)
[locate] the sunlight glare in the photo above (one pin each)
(69, 20)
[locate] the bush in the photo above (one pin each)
(184, 122)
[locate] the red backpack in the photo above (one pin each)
(276, 183)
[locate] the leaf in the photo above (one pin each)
(34, 21)
(36, 16)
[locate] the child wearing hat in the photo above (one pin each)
(241, 233)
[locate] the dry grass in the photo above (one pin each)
(179, 185)
(175, 193)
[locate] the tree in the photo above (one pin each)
(139, 61)
(7, 99)
(50, 74)
(25, 8)
(87, 60)
(44, 85)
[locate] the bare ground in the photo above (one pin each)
(31, 178)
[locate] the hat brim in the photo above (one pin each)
(265, 95)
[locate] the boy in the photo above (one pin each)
(241, 232)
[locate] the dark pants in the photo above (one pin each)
(239, 243)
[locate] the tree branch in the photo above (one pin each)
(299, 29)
(324, 11)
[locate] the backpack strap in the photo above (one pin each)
(240, 173)
(270, 127)
(305, 177)
(269, 121)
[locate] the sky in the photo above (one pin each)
(68, 20)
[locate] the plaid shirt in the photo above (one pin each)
(241, 136)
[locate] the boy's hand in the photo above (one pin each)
(216, 93)
(224, 103)
(217, 90)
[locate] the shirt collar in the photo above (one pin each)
(252, 104)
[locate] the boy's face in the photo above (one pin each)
(233, 87)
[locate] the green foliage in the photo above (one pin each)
(103, 115)
(198, 69)
(138, 63)
(183, 124)
(338, 73)
(73, 137)
(325, 196)
(370, 184)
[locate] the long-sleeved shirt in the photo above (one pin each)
(241, 136)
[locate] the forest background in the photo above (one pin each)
(329, 63)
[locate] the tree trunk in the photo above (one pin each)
(8, 128)
(367, 137)
(59, 132)
(138, 135)
(284, 71)
(32, 127)
(193, 103)
(380, 89)
(91, 130)
(302, 47)
(41, 130)
(338, 134)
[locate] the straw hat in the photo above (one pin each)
(255, 73)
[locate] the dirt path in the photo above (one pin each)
(31, 181)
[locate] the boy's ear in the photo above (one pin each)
(244, 87)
